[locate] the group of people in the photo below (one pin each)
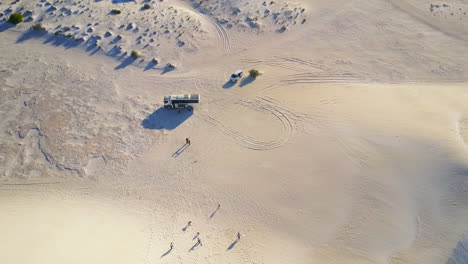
(197, 236)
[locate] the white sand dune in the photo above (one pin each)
(351, 147)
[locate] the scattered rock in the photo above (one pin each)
(282, 29)
(108, 34)
(130, 26)
(154, 61)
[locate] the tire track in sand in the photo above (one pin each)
(264, 105)
(224, 40)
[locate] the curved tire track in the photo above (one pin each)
(223, 37)
(288, 123)
(224, 40)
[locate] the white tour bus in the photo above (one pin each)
(181, 100)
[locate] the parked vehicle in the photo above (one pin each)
(181, 100)
(236, 76)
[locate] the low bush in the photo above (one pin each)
(15, 19)
(254, 73)
(135, 54)
(38, 27)
(115, 11)
(146, 6)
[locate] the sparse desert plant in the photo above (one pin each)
(66, 28)
(254, 73)
(15, 19)
(115, 11)
(135, 54)
(38, 27)
(146, 6)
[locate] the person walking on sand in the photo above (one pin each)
(187, 141)
(172, 246)
(189, 223)
(218, 207)
(199, 242)
(238, 235)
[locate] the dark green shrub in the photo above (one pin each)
(15, 19)
(146, 6)
(134, 54)
(254, 73)
(115, 11)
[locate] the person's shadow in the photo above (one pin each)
(214, 212)
(164, 118)
(194, 246)
(186, 227)
(180, 150)
(167, 252)
(232, 245)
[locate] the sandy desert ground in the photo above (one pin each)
(351, 147)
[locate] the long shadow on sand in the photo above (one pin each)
(129, 60)
(31, 34)
(5, 26)
(175, 155)
(460, 253)
(166, 253)
(232, 245)
(164, 118)
(54, 40)
(63, 41)
(246, 81)
(228, 84)
(121, 1)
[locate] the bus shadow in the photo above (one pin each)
(168, 119)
